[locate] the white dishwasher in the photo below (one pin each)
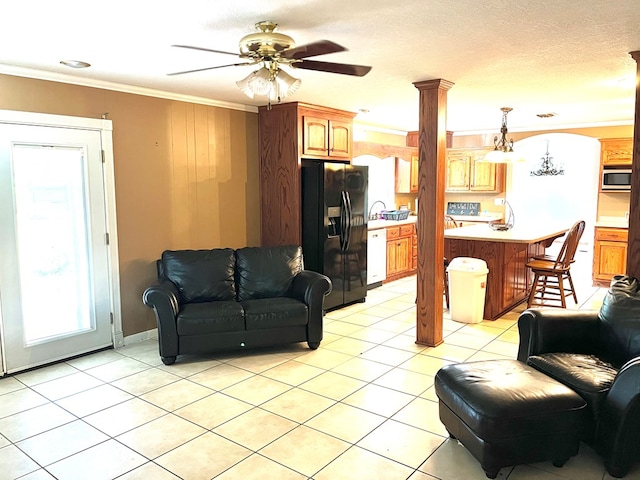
(376, 255)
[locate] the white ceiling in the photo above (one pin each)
(561, 56)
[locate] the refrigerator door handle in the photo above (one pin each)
(344, 221)
(347, 243)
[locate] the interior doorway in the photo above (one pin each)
(56, 299)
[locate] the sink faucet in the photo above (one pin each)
(375, 216)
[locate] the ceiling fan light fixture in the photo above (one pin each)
(272, 82)
(285, 84)
(258, 83)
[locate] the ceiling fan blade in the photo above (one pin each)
(321, 47)
(211, 68)
(205, 49)
(342, 68)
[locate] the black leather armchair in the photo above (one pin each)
(221, 299)
(597, 354)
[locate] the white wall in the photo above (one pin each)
(564, 198)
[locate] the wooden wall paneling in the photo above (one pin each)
(432, 144)
(633, 251)
(202, 183)
(217, 175)
(179, 181)
(191, 203)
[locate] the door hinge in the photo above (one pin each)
(111, 317)
(103, 157)
(106, 238)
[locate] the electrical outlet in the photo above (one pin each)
(498, 201)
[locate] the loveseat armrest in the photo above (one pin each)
(545, 330)
(311, 287)
(163, 297)
(618, 430)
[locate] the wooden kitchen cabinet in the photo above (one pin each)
(609, 254)
(400, 241)
(616, 151)
(407, 175)
(285, 132)
(466, 174)
(329, 136)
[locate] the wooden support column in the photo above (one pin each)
(633, 250)
(432, 138)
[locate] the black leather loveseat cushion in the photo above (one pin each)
(210, 317)
(264, 272)
(201, 275)
(274, 312)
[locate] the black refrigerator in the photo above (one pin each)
(334, 228)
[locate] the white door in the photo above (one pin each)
(54, 266)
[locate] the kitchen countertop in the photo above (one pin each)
(489, 217)
(376, 224)
(483, 217)
(518, 234)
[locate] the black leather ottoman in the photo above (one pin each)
(506, 413)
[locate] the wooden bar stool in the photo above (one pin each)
(549, 275)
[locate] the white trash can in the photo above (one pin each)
(467, 287)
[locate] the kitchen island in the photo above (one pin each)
(506, 253)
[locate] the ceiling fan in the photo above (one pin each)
(272, 49)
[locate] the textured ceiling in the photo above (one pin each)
(566, 57)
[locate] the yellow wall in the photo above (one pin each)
(186, 175)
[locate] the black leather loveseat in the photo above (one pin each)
(222, 299)
(596, 354)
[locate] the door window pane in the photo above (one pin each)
(53, 242)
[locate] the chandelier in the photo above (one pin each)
(503, 148)
(546, 166)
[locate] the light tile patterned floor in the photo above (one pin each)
(362, 406)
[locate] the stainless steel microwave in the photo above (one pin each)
(616, 179)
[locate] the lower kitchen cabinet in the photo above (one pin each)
(609, 254)
(400, 248)
(376, 256)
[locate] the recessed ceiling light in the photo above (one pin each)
(75, 63)
(546, 115)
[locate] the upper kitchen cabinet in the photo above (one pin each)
(466, 173)
(407, 174)
(616, 151)
(327, 134)
(288, 132)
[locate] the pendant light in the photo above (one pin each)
(503, 148)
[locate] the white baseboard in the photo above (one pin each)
(141, 337)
